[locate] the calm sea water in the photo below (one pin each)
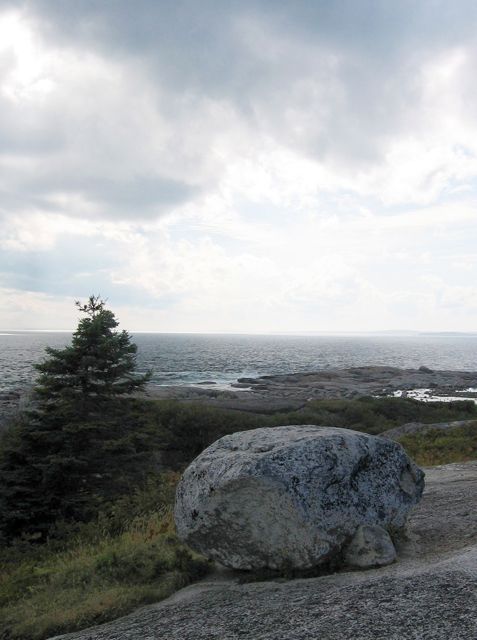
(192, 358)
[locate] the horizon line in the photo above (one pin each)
(402, 332)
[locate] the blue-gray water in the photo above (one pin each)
(192, 358)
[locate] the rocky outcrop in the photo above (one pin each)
(428, 593)
(292, 391)
(292, 496)
(413, 428)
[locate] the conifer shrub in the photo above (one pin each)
(80, 445)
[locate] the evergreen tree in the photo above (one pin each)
(82, 444)
(99, 364)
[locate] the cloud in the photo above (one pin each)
(334, 80)
(314, 161)
(30, 310)
(114, 112)
(81, 135)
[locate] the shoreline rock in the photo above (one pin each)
(295, 390)
(289, 392)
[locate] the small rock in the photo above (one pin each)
(371, 546)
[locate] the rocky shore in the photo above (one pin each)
(293, 391)
(428, 593)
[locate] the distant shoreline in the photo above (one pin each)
(294, 390)
(184, 360)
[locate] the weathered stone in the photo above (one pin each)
(429, 593)
(411, 428)
(371, 546)
(292, 496)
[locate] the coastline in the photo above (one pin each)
(13, 402)
(187, 430)
(294, 391)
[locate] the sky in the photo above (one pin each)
(239, 166)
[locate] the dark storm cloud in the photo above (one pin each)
(193, 31)
(331, 80)
(346, 70)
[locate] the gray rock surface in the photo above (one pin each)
(371, 546)
(412, 428)
(428, 594)
(293, 391)
(292, 496)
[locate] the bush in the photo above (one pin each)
(439, 446)
(182, 430)
(96, 571)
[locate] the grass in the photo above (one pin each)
(439, 446)
(181, 430)
(129, 555)
(99, 577)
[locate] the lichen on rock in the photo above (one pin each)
(371, 546)
(292, 496)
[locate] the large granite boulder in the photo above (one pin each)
(294, 496)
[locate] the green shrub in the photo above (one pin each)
(182, 430)
(98, 576)
(127, 554)
(442, 446)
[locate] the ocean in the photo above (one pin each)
(185, 359)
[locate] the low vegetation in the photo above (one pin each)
(87, 480)
(128, 554)
(181, 431)
(89, 573)
(439, 446)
